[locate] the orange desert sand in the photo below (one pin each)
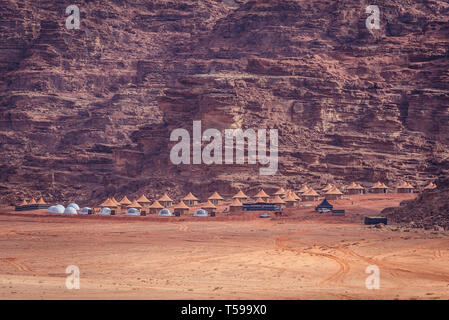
(303, 256)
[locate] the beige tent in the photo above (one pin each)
(135, 205)
(190, 200)
(290, 201)
(379, 187)
(155, 207)
(259, 200)
(236, 205)
(328, 187)
(209, 207)
(333, 194)
(216, 198)
(240, 196)
(354, 188)
(181, 207)
(277, 200)
(115, 201)
(280, 192)
(304, 189)
(295, 196)
(143, 201)
(404, 187)
(165, 200)
(310, 195)
(124, 202)
(262, 195)
(108, 203)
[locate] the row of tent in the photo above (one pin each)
(73, 208)
(216, 198)
(285, 198)
(282, 197)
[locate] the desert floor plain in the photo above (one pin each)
(303, 256)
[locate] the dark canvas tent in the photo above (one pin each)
(324, 206)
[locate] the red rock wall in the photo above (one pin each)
(88, 113)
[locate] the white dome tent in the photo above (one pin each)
(165, 213)
(70, 210)
(85, 210)
(200, 213)
(74, 205)
(105, 211)
(132, 212)
(55, 209)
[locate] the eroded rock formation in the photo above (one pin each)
(88, 113)
(430, 210)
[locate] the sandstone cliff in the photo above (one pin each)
(88, 113)
(430, 210)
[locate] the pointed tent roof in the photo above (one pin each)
(289, 198)
(260, 200)
(181, 205)
(405, 185)
(334, 190)
(261, 194)
(208, 205)
(310, 192)
(354, 186)
(430, 186)
(143, 199)
(304, 189)
(280, 192)
(125, 201)
(379, 185)
(108, 203)
(165, 197)
(277, 200)
(360, 186)
(216, 196)
(190, 196)
(240, 195)
(156, 205)
(324, 204)
(294, 195)
(236, 203)
(41, 201)
(134, 204)
(328, 187)
(32, 201)
(115, 201)
(23, 203)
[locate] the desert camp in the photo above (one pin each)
(216, 203)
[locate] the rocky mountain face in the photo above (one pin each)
(88, 113)
(430, 210)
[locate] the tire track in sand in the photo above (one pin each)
(343, 264)
(13, 261)
(395, 269)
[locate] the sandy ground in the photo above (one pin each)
(304, 256)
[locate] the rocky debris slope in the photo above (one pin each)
(430, 210)
(88, 113)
